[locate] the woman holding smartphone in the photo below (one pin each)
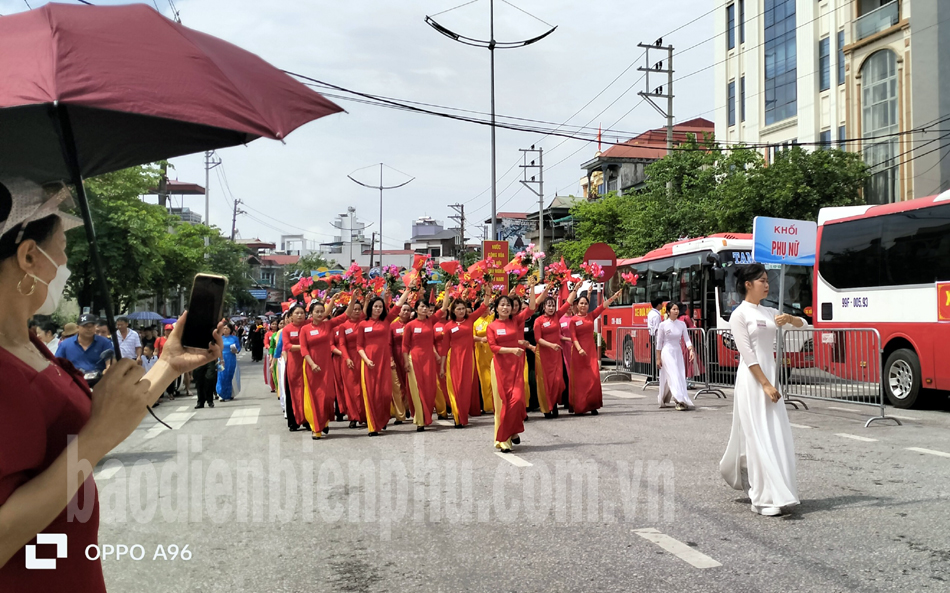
(53, 428)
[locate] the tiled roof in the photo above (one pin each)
(279, 260)
(652, 144)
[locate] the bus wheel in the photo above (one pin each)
(902, 378)
(628, 354)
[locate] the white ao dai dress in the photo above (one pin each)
(761, 438)
(673, 371)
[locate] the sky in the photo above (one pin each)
(386, 48)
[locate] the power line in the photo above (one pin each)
(527, 13)
(455, 8)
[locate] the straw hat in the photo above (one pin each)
(70, 329)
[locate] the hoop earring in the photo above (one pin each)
(19, 285)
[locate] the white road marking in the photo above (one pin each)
(677, 548)
(911, 418)
(108, 472)
(514, 459)
(842, 409)
(624, 395)
(444, 423)
(799, 425)
(705, 408)
(855, 437)
(244, 416)
(928, 451)
(182, 408)
(176, 420)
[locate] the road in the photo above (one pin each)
(630, 499)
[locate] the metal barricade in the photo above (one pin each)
(836, 365)
(722, 358)
(697, 371)
(633, 351)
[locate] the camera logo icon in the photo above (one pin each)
(34, 563)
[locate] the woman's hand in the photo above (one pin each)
(773, 393)
(555, 347)
(349, 363)
(659, 361)
(314, 367)
(118, 404)
(182, 359)
(370, 364)
(532, 281)
(392, 363)
(233, 349)
(581, 351)
(786, 319)
(692, 355)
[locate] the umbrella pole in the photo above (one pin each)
(72, 161)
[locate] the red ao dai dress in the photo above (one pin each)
(458, 344)
(586, 394)
(507, 378)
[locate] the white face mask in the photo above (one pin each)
(54, 288)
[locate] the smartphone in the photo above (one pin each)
(205, 309)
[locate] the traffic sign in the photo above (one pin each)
(784, 241)
(603, 254)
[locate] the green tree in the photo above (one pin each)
(145, 251)
(702, 189)
(129, 234)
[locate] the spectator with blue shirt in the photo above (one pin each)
(85, 349)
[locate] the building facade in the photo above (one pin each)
(820, 73)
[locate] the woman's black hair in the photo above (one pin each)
(313, 304)
(230, 326)
(455, 304)
(545, 304)
(38, 230)
(498, 301)
(669, 307)
(418, 304)
(749, 273)
(49, 326)
(369, 309)
(584, 296)
(293, 308)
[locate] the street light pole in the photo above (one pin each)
(491, 44)
(380, 187)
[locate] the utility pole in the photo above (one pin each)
(459, 218)
(658, 93)
(163, 187)
(380, 187)
(491, 45)
(539, 182)
(372, 251)
(234, 218)
(211, 161)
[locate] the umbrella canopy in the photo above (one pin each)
(133, 87)
(169, 321)
(92, 89)
(144, 316)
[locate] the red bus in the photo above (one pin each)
(702, 274)
(888, 268)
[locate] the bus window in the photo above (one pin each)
(661, 279)
(797, 290)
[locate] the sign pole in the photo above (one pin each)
(779, 336)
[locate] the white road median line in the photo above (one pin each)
(855, 437)
(799, 425)
(176, 420)
(513, 459)
(911, 418)
(677, 548)
(181, 408)
(244, 416)
(928, 451)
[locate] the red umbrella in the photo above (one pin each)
(92, 89)
(130, 87)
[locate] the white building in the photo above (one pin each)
(349, 245)
(821, 71)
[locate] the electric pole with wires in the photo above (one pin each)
(459, 217)
(536, 180)
(658, 92)
(234, 218)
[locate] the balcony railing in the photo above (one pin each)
(877, 20)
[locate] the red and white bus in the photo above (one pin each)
(702, 274)
(888, 268)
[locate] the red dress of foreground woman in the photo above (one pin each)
(586, 394)
(458, 344)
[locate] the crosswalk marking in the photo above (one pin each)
(855, 437)
(799, 425)
(108, 472)
(181, 408)
(677, 548)
(244, 416)
(911, 418)
(176, 420)
(444, 423)
(514, 459)
(928, 451)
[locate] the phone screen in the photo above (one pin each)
(204, 310)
